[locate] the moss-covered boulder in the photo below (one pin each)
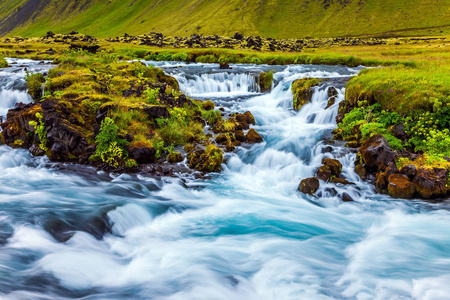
(253, 137)
(400, 186)
(309, 186)
(431, 182)
(265, 81)
(206, 160)
(174, 157)
(334, 165)
(303, 90)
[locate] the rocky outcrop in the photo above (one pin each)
(377, 160)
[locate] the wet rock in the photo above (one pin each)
(409, 170)
(62, 229)
(265, 81)
(346, 197)
(253, 137)
(400, 186)
(338, 180)
(331, 191)
(382, 177)
(250, 118)
(224, 66)
(331, 102)
(332, 92)
(376, 153)
(174, 157)
(221, 139)
(240, 136)
(309, 185)
(303, 90)
(324, 173)
(156, 112)
(334, 165)
(142, 155)
(352, 144)
(361, 171)
(431, 182)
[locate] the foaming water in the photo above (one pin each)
(69, 232)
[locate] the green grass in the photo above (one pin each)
(404, 89)
(270, 18)
(3, 63)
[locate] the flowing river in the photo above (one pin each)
(72, 232)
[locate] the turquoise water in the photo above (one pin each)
(72, 232)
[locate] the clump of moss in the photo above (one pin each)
(303, 91)
(35, 82)
(265, 81)
(3, 62)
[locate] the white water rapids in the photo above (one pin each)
(246, 233)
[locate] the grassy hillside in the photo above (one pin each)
(274, 18)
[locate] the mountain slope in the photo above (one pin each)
(274, 18)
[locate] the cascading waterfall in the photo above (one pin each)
(244, 234)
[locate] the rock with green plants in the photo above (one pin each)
(404, 135)
(93, 108)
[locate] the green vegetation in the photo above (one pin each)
(109, 147)
(277, 18)
(40, 131)
(3, 63)
(35, 82)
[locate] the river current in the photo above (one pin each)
(72, 232)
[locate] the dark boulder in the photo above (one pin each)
(156, 112)
(253, 137)
(309, 185)
(324, 173)
(346, 197)
(334, 165)
(142, 155)
(361, 171)
(376, 153)
(409, 170)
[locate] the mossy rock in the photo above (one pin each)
(265, 81)
(309, 186)
(400, 187)
(174, 157)
(303, 91)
